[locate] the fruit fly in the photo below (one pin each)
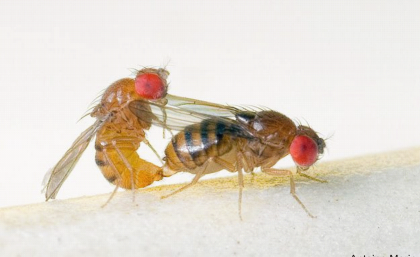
(236, 139)
(119, 133)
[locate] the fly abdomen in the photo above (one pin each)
(99, 156)
(103, 164)
(193, 146)
(99, 161)
(117, 157)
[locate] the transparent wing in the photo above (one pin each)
(62, 169)
(170, 117)
(175, 118)
(203, 107)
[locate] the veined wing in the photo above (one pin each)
(203, 107)
(168, 116)
(172, 117)
(62, 169)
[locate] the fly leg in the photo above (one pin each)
(127, 164)
(201, 172)
(241, 163)
(252, 177)
(165, 117)
(300, 172)
(241, 187)
(162, 102)
(116, 145)
(153, 149)
(193, 182)
(123, 166)
(117, 181)
(111, 196)
(282, 173)
(226, 165)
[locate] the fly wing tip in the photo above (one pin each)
(50, 195)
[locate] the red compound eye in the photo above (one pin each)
(150, 86)
(304, 151)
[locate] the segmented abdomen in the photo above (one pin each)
(193, 146)
(116, 156)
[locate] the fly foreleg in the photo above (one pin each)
(282, 173)
(300, 172)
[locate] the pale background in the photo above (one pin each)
(348, 68)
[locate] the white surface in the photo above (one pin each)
(370, 206)
(349, 68)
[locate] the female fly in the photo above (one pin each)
(119, 133)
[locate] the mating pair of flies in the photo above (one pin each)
(211, 137)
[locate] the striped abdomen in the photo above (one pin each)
(117, 157)
(193, 146)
